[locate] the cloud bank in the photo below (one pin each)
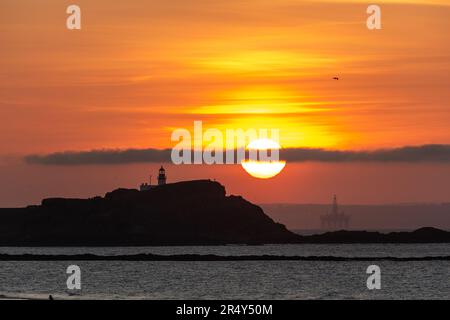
(101, 157)
(425, 153)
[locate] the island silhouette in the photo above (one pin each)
(195, 212)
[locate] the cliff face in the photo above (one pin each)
(185, 213)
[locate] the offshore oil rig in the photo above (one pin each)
(335, 219)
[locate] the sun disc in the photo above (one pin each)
(263, 169)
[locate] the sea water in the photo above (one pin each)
(233, 279)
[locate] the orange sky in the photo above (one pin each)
(139, 69)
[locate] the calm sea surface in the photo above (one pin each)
(234, 279)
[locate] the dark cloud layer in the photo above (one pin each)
(101, 157)
(425, 153)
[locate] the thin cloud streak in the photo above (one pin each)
(414, 154)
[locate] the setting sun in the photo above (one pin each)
(267, 168)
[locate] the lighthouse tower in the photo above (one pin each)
(162, 176)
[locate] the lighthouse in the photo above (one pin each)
(161, 180)
(162, 176)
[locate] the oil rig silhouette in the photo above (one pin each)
(335, 219)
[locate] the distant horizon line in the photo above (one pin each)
(356, 204)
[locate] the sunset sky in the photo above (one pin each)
(139, 69)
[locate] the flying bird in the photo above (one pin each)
(335, 78)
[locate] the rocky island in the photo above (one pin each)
(184, 213)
